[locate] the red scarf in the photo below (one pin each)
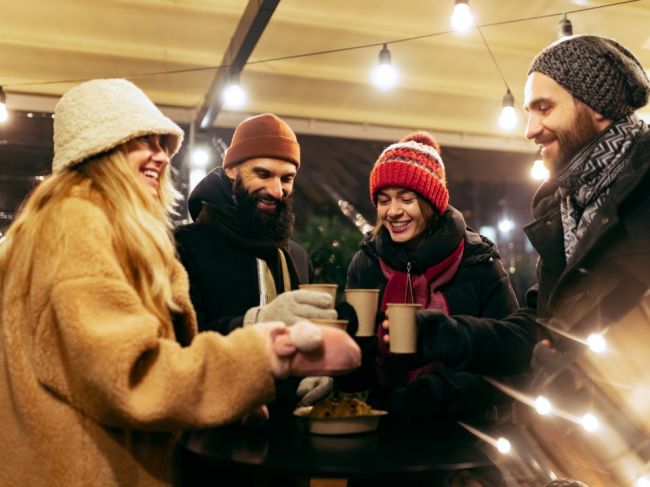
(424, 290)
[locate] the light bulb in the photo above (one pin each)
(642, 481)
(199, 157)
(564, 28)
(234, 96)
(508, 118)
(503, 445)
(596, 343)
(590, 422)
(505, 225)
(539, 172)
(543, 406)
(462, 19)
(4, 114)
(384, 74)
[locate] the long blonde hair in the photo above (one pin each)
(141, 224)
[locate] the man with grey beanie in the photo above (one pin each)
(592, 235)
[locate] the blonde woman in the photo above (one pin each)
(100, 360)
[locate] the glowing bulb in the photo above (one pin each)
(234, 96)
(462, 19)
(503, 445)
(596, 343)
(506, 225)
(539, 172)
(199, 157)
(508, 118)
(196, 176)
(543, 405)
(384, 74)
(642, 482)
(590, 422)
(4, 114)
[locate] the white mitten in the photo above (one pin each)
(293, 306)
(313, 389)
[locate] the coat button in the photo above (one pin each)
(548, 222)
(605, 220)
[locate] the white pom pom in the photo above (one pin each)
(306, 336)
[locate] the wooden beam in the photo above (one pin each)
(249, 30)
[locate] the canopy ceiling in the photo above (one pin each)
(449, 83)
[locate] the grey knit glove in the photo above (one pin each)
(293, 306)
(313, 389)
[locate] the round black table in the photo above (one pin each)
(286, 450)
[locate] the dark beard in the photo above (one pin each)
(276, 226)
(573, 139)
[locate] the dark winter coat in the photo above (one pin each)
(610, 270)
(223, 278)
(480, 288)
(223, 275)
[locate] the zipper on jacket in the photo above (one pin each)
(409, 285)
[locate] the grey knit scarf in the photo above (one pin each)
(586, 181)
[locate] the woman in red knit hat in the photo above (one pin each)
(421, 251)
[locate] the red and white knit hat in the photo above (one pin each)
(413, 163)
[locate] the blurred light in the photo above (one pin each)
(196, 176)
(503, 445)
(462, 19)
(199, 157)
(4, 114)
(30, 115)
(505, 225)
(543, 405)
(488, 231)
(508, 118)
(384, 74)
(590, 422)
(596, 343)
(539, 172)
(642, 482)
(234, 96)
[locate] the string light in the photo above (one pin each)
(4, 114)
(508, 118)
(590, 422)
(505, 225)
(596, 343)
(539, 172)
(642, 482)
(462, 19)
(384, 75)
(564, 28)
(234, 96)
(501, 443)
(543, 406)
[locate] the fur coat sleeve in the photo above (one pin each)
(98, 348)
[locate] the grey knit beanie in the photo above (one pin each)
(98, 115)
(598, 71)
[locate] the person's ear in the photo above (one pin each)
(231, 172)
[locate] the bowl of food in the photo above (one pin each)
(340, 416)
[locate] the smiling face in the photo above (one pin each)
(398, 210)
(558, 122)
(148, 157)
(269, 180)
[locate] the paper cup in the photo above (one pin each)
(364, 302)
(321, 288)
(340, 324)
(403, 328)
